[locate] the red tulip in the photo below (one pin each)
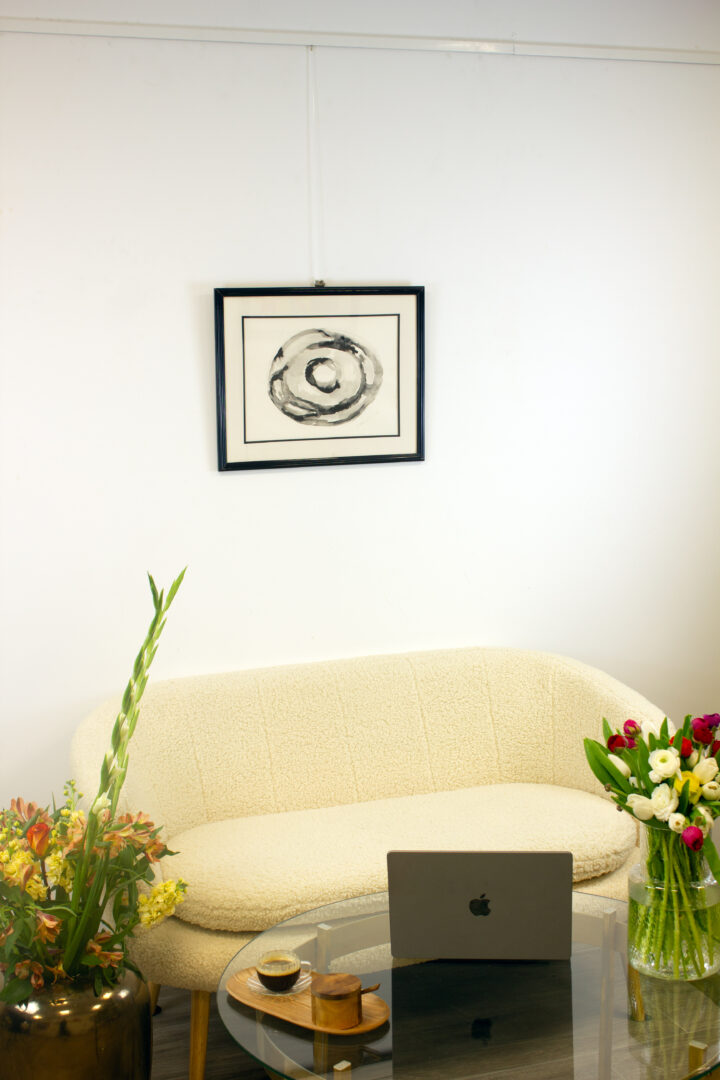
(693, 837)
(685, 745)
(616, 742)
(702, 731)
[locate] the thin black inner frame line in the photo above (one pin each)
(328, 315)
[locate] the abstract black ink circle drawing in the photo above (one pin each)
(319, 377)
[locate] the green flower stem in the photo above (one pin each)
(663, 907)
(690, 919)
(671, 925)
(87, 910)
(87, 926)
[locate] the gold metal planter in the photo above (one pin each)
(67, 1033)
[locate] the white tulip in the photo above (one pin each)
(677, 822)
(693, 759)
(703, 819)
(711, 790)
(620, 765)
(641, 807)
(706, 770)
(664, 801)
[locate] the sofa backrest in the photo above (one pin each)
(212, 747)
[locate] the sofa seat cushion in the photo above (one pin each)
(245, 874)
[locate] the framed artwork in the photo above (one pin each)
(319, 376)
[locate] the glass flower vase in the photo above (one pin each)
(673, 911)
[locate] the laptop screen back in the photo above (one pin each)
(480, 905)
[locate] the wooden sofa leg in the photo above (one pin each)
(199, 1018)
(154, 989)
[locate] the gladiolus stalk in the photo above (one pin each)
(82, 928)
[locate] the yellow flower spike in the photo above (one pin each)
(161, 901)
(36, 889)
(59, 871)
(694, 787)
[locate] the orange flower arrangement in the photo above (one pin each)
(71, 882)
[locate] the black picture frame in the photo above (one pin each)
(319, 376)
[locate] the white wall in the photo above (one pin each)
(562, 215)
(693, 24)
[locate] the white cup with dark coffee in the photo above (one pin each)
(280, 969)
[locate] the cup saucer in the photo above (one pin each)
(304, 980)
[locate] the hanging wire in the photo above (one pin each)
(314, 185)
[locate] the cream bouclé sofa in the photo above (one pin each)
(282, 789)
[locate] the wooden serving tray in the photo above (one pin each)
(297, 1008)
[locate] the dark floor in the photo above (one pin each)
(171, 1043)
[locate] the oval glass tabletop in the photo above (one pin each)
(589, 1017)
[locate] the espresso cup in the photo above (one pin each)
(279, 970)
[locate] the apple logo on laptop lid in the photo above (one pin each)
(480, 905)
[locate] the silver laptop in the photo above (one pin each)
(480, 905)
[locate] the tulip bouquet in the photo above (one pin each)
(74, 885)
(669, 780)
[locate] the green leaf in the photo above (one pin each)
(16, 896)
(116, 737)
(604, 769)
(154, 590)
(664, 730)
(132, 896)
(117, 906)
(15, 991)
(13, 939)
(618, 779)
(643, 765)
(713, 859)
(607, 730)
(596, 759)
(684, 799)
(174, 588)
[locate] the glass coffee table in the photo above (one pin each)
(458, 1020)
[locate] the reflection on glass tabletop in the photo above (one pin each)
(590, 1017)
